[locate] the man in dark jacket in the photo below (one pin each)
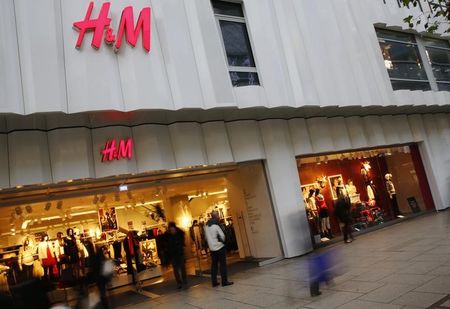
(175, 253)
(342, 210)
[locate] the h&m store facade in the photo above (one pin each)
(168, 112)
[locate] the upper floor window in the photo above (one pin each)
(241, 63)
(438, 54)
(402, 60)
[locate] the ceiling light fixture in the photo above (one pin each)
(59, 205)
(47, 206)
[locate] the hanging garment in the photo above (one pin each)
(370, 193)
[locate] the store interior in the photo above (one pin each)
(139, 212)
(381, 185)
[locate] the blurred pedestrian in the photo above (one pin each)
(216, 242)
(320, 266)
(175, 253)
(344, 214)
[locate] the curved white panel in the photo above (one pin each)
(188, 145)
(390, 130)
(217, 145)
(285, 186)
(373, 131)
(339, 133)
(115, 167)
(356, 131)
(11, 96)
(4, 166)
(403, 129)
(39, 31)
(417, 127)
(245, 140)
(300, 136)
(319, 132)
(71, 154)
(29, 161)
(153, 148)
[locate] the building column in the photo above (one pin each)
(284, 184)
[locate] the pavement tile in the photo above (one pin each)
(333, 299)
(419, 299)
(220, 304)
(440, 284)
(289, 303)
(357, 286)
(441, 270)
(412, 279)
(359, 304)
(420, 268)
(387, 293)
(373, 275)
(257, 299)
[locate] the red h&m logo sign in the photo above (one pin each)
(102, 30)
(112, 151)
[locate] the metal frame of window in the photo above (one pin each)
(425, 46)
(421, 46)
(241, 20)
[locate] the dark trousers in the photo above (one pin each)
(395, 205)
(219, 258)
(347, 230)
(179, 269)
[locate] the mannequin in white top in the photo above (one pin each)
(26, 258)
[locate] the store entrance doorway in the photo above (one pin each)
(135, 209)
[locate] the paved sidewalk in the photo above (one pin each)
(402, 266)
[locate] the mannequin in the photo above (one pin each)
(47, 257)
(352, 192)
(311, 206)
(325, 227)
(82, 253)
(59, 250)
(26, 258)
(196, 235)
(341, 186)
(131, 247)
(71, 252)
(392, 194)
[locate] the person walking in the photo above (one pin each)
(216, 243)
(175, 253)
(343, 213)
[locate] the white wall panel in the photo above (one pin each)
(390, 131)
(245, 140)
(319, 132)
(300, 136)
(217, 145)
(339, 133)
(374, 131)
(11, 97)
(4, 165)
(29, 161)
(93, 80)
(209, 54)
(295, 51)
(153, 148)
(270, 63)
(188, 144)
(41, 55)
(285, 186)
(176, 44)
(142, 75)
(116, 167)
(71, 154)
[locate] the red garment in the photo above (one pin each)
(320, 202)
(50, 260)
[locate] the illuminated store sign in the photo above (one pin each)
(112, 151)
(101, 29)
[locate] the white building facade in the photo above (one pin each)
(319, 84)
